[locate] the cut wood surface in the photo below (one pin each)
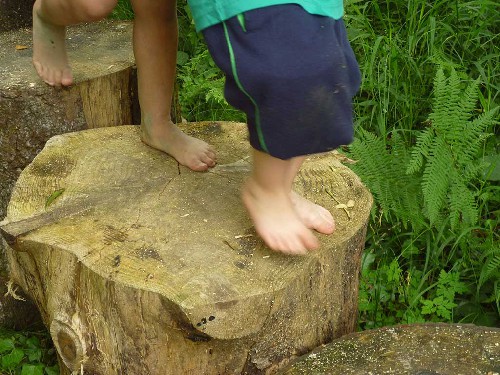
(141, 266)
(415, 349)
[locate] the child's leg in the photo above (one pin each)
(312, 215)
(155, 49)
(50, 18)
(266, 195)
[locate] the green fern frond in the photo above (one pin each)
(381, 166)
(421, 150)
(373, 163)
(447, 93)
(447, 150)
(460, 110)
(467, 102)
(491, 267)
(436, 179)
(474, 135)
(463, 207)
(439, 91)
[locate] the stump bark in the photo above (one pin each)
(416, 349)
(141, 266)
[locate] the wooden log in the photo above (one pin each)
(415, 349)
(141, 266)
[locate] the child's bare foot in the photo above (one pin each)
(49, 51)
(313, 215)
(188, 151)
(276, 221)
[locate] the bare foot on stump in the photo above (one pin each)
(276, 221)
(188, 151)
(49, 51)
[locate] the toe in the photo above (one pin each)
(67, 78)
(212, 155)
(309, 241)
(198, 166)
(207, 159)
(326, 227)
(296, 247)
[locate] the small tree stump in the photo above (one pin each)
(416, 349)
(141, 266)
(31, 111)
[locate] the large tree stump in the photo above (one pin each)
(415, 349)
(141, 266)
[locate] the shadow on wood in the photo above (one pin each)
(15, 14)
(141, 266)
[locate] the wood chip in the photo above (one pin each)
(243, 236)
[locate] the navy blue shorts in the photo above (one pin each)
(294, 75)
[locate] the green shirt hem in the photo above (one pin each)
(208, 13)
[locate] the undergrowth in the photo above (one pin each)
(426, 145)
(27, 353)
(430, 255)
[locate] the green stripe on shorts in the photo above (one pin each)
(240, 86)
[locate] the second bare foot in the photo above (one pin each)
(276, 221)
(188, 151)
(49, 51)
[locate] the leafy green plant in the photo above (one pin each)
(201, 86)
(398, 45)
(440, 306)
(436, 188)
(28, 353)
(449, 148)
(382, 166)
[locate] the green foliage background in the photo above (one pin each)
(426, 146)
